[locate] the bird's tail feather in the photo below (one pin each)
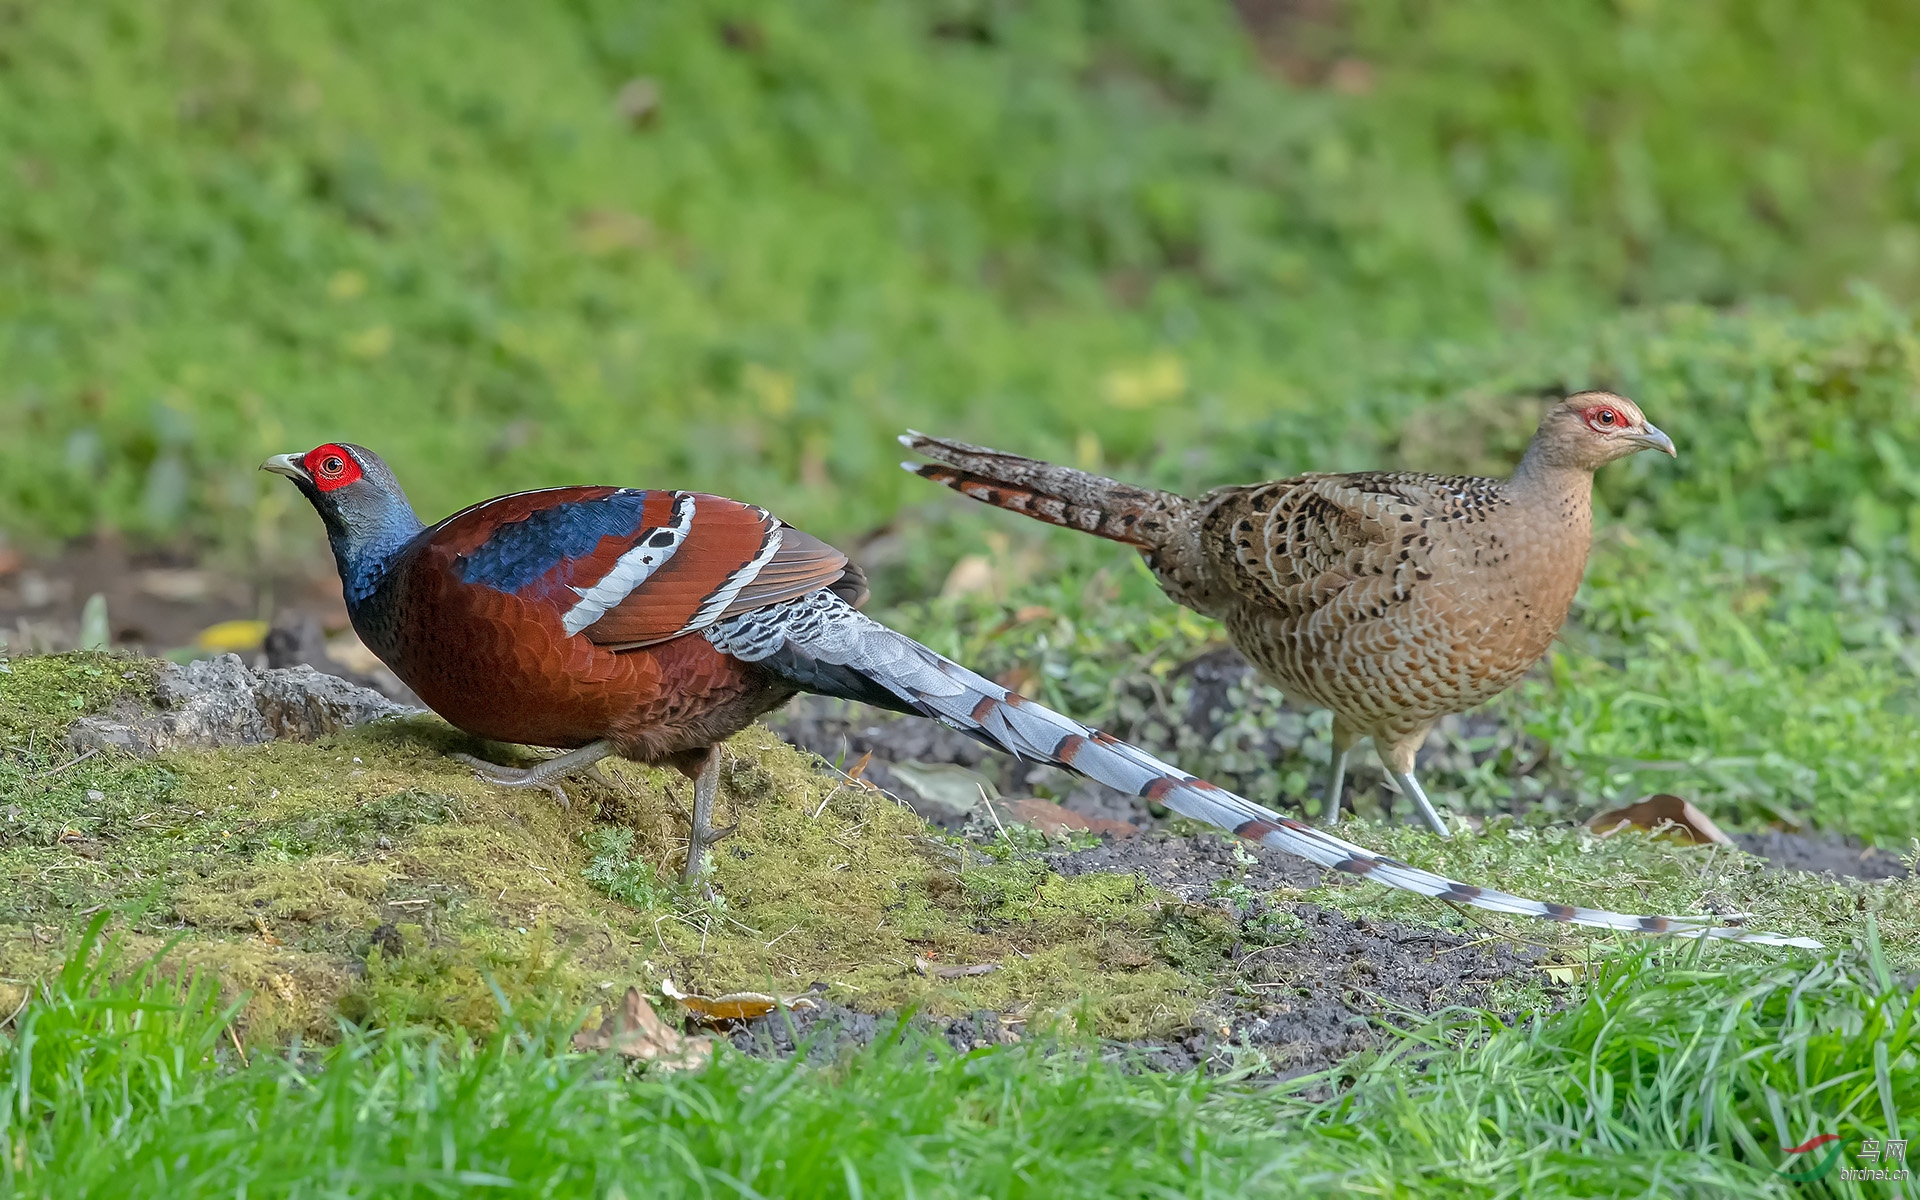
(1064, 496)
(822, 629)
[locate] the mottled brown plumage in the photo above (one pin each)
(1391, 598)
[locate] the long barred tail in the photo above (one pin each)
(818, 639)
(1107, 508)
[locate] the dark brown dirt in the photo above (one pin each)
(1301, 988)
(832, 1030)
(1193, 867)
(1330, 987)
(1829, 853)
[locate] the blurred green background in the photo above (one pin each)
(739, 246)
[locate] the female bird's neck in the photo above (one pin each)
(1545, 487)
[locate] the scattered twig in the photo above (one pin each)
(993, 814)
(1498, 933)
(932, 970)
(26, 994)
(815, 814)
(1247, 958)
(936, 971)
(78, 758)
(1462, 946)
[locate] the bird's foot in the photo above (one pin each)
(699, 841)
(1411, 787)
(1336, 784)
(546, 775)
(701, 835)
(513, 777)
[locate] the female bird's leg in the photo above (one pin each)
(1411, 787)
(546, 775)
(1343, 740)
(700, 831)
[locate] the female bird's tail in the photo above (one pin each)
(822, 644)
(1137, 516)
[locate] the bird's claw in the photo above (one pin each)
(514, 777)
(698, 843)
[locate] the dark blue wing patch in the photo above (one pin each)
(521, 552)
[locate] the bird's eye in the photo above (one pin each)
(332, 465)
(1605, 416)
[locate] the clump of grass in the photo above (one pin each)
(1677, 1074)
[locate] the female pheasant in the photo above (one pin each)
(654, 624)
(1391, 598)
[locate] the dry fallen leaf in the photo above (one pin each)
(854, 772)
(1656, 812)
(231, 637)
(734, 1006)
(635, 1031)
(946, 787)
(937, 971)
(1564, 972)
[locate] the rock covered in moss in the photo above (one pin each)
(222, 702)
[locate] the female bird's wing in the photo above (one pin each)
(628, 568)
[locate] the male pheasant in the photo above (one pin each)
(654, 624)
(1393, 599)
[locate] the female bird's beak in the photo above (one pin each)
(288, 465)
(1651, 438)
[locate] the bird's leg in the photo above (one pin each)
(1343, 739)
(545, 775)
(1411, 787)
(700, 831)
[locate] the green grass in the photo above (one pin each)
(1103, 230)
(1645, 1087)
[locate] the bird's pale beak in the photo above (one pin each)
(1652, 439)
(288, 465)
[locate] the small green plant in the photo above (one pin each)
(615, 871)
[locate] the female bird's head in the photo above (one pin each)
(365, 511)
(1588, 430)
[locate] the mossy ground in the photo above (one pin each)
(368, 876)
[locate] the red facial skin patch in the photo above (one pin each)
(331, 467)
(1605, 418)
